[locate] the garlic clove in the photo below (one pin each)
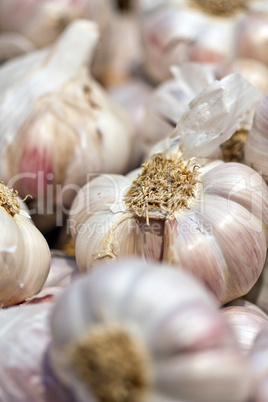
(101, 190)
(229, 267)
(107, 235)
(247, 321)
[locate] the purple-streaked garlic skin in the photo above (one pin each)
(256, 148)
(258, 293)
(247, 321)
(187, 338)
(25, 372)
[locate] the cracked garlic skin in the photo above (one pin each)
(137, 331)
(25, 255)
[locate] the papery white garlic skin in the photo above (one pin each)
(258, 360)
(25, 259)
(162, 311)
(258, 293)
(256, 147)
(247, 321)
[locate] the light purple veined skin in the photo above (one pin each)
(193, 352)
(247, 320)
(26, 375)
(228, 219)
(256, 148)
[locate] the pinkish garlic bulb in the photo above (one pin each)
(136, 331)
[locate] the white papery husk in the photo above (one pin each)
(256, 147)
(258, 293)
(25, 374)
(28, 25)
(247, 320)
(220, 236)
(171, 98)
(57, 124)
(187, 348)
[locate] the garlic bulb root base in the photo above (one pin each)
(220, 8)
(9, 200)
(111, 363)
(166, 183)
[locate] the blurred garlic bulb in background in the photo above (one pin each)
(57, 124)
(24, 254)
(25, 374)
(256, 147)
(170, 99)
(26, 25)
(178, 31)
(252, 35)
(210, 218)
(144, 332)
(259, 363)
(246, 320)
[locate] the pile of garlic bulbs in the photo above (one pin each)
(134, 249)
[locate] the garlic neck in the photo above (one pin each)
(112, 363)
(167, 184)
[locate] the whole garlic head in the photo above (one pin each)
(179, 208)
(143, 332)
(58, 125)
(24, 254)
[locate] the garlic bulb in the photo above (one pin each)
(170, 100)
(256, 147)
(28, 24)
(252, 35)
(247, 320)
(177, 31)
(24, 254)
(135, 331)
(25, 374)
(57, 124)
(180, 209)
